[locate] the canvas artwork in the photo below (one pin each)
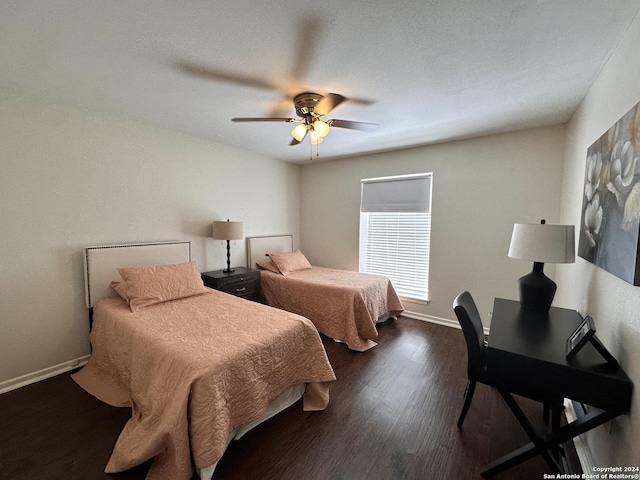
(611, 202)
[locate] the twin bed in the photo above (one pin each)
(201, 367)
(198, 367)
(343, 305)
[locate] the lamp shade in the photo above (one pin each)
(227, 230)
(543, 243)
(321, 127)
(315, 137)
(299, 132)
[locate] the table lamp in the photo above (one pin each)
(227, 231)
(540, 243)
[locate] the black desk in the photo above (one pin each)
(528, 349)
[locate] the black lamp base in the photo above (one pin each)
(228, 269)
(536, 290)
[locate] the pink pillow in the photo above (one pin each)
(267, 265)
(146, 286)
(290, 262)
(121, 289)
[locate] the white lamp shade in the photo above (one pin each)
(543, 243)
(299, 132)
(227, 230)
(321, 127)
(315, 137)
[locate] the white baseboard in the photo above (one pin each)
(437, 320)
(43, 374)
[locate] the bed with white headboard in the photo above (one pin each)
(190, 345)
(258, 248)
(101, 263)
(343, 305)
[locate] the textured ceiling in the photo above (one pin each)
(426, 71)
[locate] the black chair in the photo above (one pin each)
(471, 323)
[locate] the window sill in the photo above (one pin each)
(416, 301)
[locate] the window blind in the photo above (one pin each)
(409, 193)
(394, 240)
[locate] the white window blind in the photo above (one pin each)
(395, 229)
(408, 193)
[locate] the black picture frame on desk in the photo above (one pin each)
(580, 337)
(585, 333)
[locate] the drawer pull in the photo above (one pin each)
(238, 290)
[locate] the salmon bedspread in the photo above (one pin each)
(195, 369)
(343, 305)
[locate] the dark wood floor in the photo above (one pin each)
(392, 415)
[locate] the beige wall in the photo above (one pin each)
(614, 304)
(71, 178)
(481, 187)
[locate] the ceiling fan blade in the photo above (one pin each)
(221, 75)
(328, 103)
(307, 41)
(361, 101)
(363, 126)
(264, 119)
(282, 106)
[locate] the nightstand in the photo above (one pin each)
(243, 282)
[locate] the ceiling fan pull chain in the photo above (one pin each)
(310, 150)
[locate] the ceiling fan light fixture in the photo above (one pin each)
(311, 108)
(315, 137)
(321, 127)
(299, 132)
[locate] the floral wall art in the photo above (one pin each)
(611, 202)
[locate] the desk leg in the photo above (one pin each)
(542, 445)
(523, 454)
(556, 418)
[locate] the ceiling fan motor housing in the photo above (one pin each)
(305, 103)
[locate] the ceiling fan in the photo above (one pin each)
(311, 109)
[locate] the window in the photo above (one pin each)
(395, 228)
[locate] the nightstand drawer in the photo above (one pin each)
(243, 282)
(242, 279)
(240, 286)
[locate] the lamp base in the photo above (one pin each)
(228, 269)
(536, 290)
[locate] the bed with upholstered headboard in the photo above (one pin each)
(343, 305)
(101, 263)
(189, 360)
(259, 248)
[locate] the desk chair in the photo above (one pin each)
(471, 323)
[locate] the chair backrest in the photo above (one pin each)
(471, 323)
